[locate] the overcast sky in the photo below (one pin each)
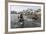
(20, 8)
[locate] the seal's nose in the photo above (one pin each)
(21, 23)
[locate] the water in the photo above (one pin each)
(27, 22)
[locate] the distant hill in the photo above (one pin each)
(28, 11)
(13, 12)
